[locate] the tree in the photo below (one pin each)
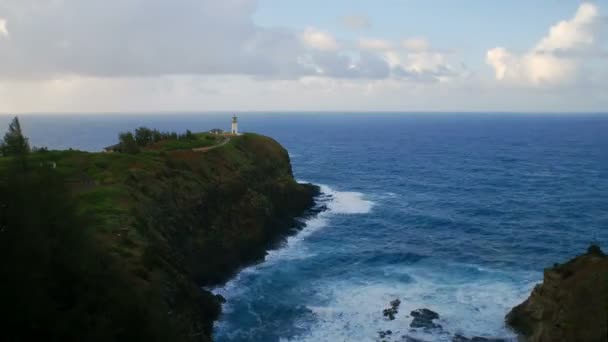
(143, 136)
(58, 282)
(128, 143)
(15, 143)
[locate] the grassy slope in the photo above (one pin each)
(180, 219)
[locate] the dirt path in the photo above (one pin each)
(209, 148)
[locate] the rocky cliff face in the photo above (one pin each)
(163, 224)
(571, 305)
(204, 216)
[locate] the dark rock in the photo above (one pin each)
(460, 338)
(410, 339)
(391, 312)
(220, 298)
(423, 318)
(570, 304)
(384, 333)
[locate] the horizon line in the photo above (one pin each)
(237, 112)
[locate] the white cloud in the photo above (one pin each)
(571, 34)
(374, 44)
(319, 40)
(553, 60)
(3, 28)
(416, 44)
(356, 22)
(150, 55)
(153, 38)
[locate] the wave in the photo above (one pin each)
(335, 202)
(346, 202)
(353, 311)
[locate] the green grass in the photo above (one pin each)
(100, 180)
(201, 140)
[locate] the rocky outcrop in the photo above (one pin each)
(391, 312)
(423, 318)
(571, 305)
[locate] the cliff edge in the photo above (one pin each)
(117, 246)
(571, 305)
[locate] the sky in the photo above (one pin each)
(287, 55)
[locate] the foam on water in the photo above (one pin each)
(471, 300)
(352, 309)
(346, 202)
(336, 202)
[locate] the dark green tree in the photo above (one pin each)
(15, 143)
(57, 283)
(143, 136)
(128, 144)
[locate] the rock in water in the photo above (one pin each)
(391, 312)
(460, 338)
(423, 318)
(571, 305)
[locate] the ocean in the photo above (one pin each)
(455, 212)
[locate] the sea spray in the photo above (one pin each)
(335, 203)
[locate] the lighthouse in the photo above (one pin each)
(235, 126)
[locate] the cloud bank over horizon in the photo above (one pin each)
(558, 57)
(88, 55)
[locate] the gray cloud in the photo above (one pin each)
(141, 37)
(45, 39)
(356, 22)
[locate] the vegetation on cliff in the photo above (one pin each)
(116, 246)
(571, 305)
(144, 138)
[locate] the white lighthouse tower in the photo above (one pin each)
(235, 126)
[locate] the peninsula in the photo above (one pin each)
(117, 246)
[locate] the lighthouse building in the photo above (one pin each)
(235, 126)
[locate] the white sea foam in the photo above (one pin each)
(337, 202)
(353, 310)
(346, 202)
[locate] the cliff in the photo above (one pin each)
(571, 305)
(162, 224)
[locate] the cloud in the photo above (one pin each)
(87, 55)
(555, 58)
(356, 22)
(571, 34)
(3, 29)
(319, 40)
(374, 44)
(416, 44)
(152, 38)
(138, 37)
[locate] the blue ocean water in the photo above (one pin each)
(458, 213)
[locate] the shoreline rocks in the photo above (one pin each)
(391, 312)
(423, 318)
(571, 305)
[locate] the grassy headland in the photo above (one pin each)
(116, 246)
